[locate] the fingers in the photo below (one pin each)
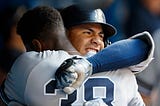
(67, 78)
(76, 84)
(71, 74)
(69, 90)
(79, 80)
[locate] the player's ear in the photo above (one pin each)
(37, 45)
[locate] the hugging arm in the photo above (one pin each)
(121, 54)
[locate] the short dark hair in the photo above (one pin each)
(38, 20)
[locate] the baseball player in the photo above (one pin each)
(84, 26)
(33, 73)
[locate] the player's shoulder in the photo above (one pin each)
(43, 54)
(35, 57)
(147, 38)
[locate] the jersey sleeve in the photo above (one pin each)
(146, 37)
(149, 79)
(124, 53)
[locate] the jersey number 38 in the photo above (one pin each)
(93, 87)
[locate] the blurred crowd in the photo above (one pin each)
(128, 16)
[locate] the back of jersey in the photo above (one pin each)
(32, 82)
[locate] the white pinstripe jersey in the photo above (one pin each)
(31, 82)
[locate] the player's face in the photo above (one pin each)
(86, 37)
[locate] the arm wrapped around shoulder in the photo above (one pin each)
(71, 74)
(147, 38)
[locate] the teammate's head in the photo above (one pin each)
(40, 27)
(87, 29)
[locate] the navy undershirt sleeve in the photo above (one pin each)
(120, 54)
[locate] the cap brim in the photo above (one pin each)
(109, 30)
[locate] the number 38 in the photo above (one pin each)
(93, 87)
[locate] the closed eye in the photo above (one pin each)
(101, 34)
(87, 32)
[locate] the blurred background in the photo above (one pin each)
(128, 16)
